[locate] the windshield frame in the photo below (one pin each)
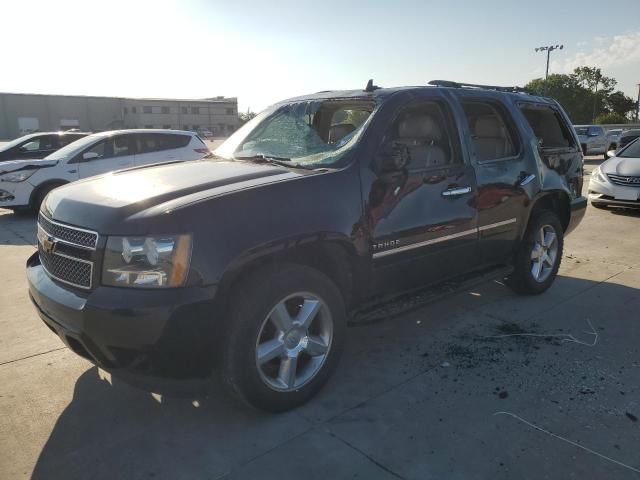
(230, 149)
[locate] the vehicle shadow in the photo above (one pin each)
(111, 430)
(17, 228)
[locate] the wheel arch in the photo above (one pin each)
(336, 258)
(557, 201)
(53, 182)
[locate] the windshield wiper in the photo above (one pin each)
(272, 160)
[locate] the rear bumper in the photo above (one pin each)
(578, 209)
(149, 338)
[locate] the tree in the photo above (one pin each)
(245, 117)
(585, 94)
(619, 103)
(608, 118)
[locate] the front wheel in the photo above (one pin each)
(285, 333)
(538, 257)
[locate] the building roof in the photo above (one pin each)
(206, 100)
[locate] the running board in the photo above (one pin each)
(391, 307)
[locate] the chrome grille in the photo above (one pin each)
(625, 181)
(72, 235)
(69, 270)
(66, 252)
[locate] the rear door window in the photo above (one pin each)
(548, 126)
(156, 142)
(492, 131)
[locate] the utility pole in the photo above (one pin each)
(548, 49)
(595, 95)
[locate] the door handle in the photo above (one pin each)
(456, 191)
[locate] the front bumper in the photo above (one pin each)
(143, 336)
(15, 194)
(606, 193)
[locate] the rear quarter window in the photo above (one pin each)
(548, 126)
(155, 142)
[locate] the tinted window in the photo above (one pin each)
(165, 110)
(195, 110)
(134, 110)
(420, 138)
(68, 138)
(184, 109)
(492, 135)
(547, 126)
(155, 142)
(146, 109)
(595, 131)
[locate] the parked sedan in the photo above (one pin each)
(593, 139)
(37, 145)
(25, 183)
(627, 137)
(617, 181)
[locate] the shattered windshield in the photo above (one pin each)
(309, 134)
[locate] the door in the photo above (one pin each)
(420, 209)
(160, 147)
(502, 170)
(112, 153)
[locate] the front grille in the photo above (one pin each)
(625, 181)
(69, 270)
(72, 235)
(66, 252)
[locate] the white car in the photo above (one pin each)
(25, 183)
(617, 181)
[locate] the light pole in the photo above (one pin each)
(638, 105)
(548, 49)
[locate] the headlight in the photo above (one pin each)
(160, 261)
(598, 175)
(17, 176)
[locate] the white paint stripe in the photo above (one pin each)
(444, 238)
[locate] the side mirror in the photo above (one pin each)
(89, 156)
(611, 153)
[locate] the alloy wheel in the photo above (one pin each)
(294, 341)
(544, 253)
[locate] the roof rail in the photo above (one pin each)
(449, 83)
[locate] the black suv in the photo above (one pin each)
(248, 263)
(37, 145)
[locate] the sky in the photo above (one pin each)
(262, 52)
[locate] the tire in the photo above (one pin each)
(276, 300)
(40, 195)
(524, 280)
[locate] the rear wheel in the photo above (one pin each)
(284, 341)
(538, 257)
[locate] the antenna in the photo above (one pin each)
(370, 86)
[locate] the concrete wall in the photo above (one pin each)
(219, 115)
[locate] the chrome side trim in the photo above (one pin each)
(425, 243)
(444, 238)
(497, 224)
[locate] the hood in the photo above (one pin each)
(104, 202)
(15, 165)
(622, 166)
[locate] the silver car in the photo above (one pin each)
(593, 139)
(617, 181)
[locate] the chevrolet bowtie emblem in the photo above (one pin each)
(48, 244)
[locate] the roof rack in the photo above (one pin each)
(449, 83)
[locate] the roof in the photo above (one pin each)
(382, 93)
(144, 130)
